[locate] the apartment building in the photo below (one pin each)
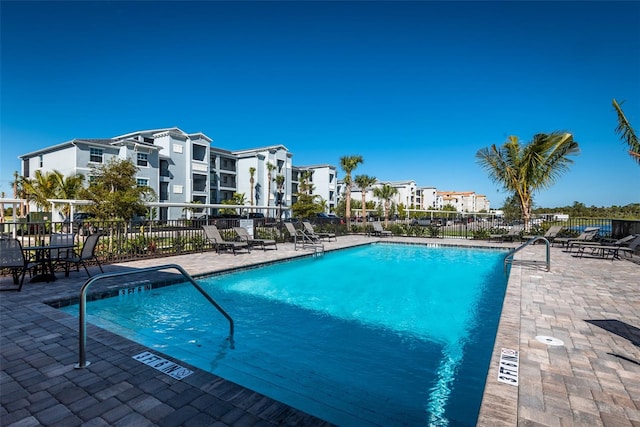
(324, 179)
(267, 163)
(463, 201)
(423, 198)
(184, 168)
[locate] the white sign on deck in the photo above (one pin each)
(163, 365)
(508, 367)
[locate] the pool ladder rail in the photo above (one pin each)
(308, 242)
(82, 362)
(509, 258)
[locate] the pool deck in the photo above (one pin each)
(593, 379)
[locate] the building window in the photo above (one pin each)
(143, 159)
(41, 160)
(142, 182)
(95, 155)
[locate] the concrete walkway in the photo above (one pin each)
(592, 305)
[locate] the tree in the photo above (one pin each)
(512, 209)
(67, 187)
(348, 165)
(306, 186)
(280, 187)
(385, 193)
(364, 182)
(236, 199)
(252, 171)
(270, 168)
(18, 193)
(51, 185)
(626, 133)
(40, 188)
(525, 169)
(114, 191)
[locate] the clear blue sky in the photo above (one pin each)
(416, 88)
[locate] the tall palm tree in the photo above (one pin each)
(279, 188)
(270, 168)
(18, 193)
(385, 193)
(306, 187)
(525, 169)
(364, 182)
(627, 133)
(348, 165)
(252, 171)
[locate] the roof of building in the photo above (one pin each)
(252, 151)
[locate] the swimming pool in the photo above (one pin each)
(384, 334)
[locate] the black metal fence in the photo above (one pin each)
(124, 241)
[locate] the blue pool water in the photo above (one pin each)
(378, 335)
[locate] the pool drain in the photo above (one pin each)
(549, 340)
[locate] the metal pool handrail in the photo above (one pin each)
(82, 362)
(527, 243)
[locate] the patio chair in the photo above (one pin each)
(212, 235)
(87, 253)
(604, 250)
(513, 232)
(320, 235)
(58, 255)
(12, 258)
(588, 235)
(245, 237)
(379, 231)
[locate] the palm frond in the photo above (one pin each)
(626, 132)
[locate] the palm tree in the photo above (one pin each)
(306, 186)
(627, 133)
(67, 187)
(280, 186)
(270, 168)
(524, 169)
(18, 193)
(348, 165)
(385, 193)
(252, 171)
(364, 182)
(40, 188)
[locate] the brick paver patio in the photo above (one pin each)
(592, 305)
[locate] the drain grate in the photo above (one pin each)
(550, 340)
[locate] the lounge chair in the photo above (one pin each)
(300, 235)
(309, 230)
(87, 253)
(604, 250)
(379, 231)
(245, 237)
(212, 234)
(588, 235)
(609, 242)
(12, 258)
(550, 235)
(510, 235)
